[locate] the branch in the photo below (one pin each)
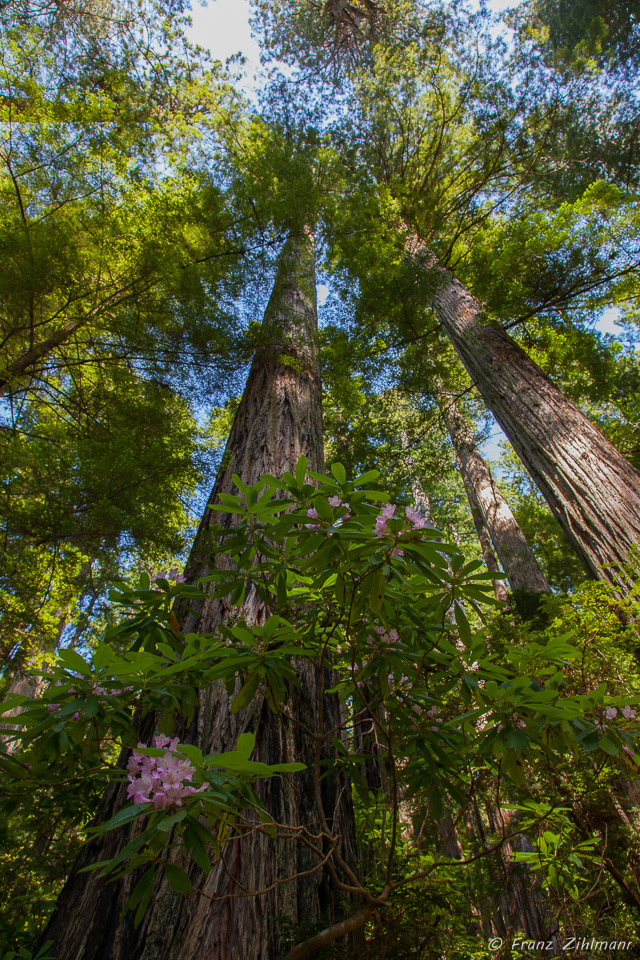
(336, 932)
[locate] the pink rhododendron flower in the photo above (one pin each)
(414, 518)
(628, 713)
(381, 529)
(611, 713)
(386, 637)
(336, 503)
(161, 780)
(53, 707)
(312, 513)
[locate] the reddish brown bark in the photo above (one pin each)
(278, 420)
(593, 491)
(522, 902)
(488, 554)
(512, 547)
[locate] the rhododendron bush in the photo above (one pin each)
(347, 581)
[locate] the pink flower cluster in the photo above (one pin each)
(391, 637)
(173, 574)
(386, 513)
(312, 513)
(160, 780)
(414, 518)
(627, 712)
(432, 713)
(337, 502)
(382, 530)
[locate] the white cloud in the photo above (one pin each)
(223, 28)
(608, 321)
(322, 291)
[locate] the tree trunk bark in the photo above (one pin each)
(279, 419)
(593, 491)
(488, 555)
(514, 552)
(522, 902)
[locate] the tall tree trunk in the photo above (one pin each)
(278, 420)
(488, 554)
(593, 491)
(514, 552)
(522, 902)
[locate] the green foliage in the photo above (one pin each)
(87, 487)
(595, 25)
(344, 584)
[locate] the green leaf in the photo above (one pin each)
(193, 753)
(177, 878)
(245, 744)
(90, 706)
(378, 586)
(339, 590)
(246, 693)
(102, 656)
(367, 477)
(462, 624)
(73, 661)
(287, 767)
(608, 746)
(168, 823)
(339, 472)
(281, 589)
(238, 483)
(323, 508)
(144, 884)
(123, 816)
(301, 470)
(197, 849)
(143, 897)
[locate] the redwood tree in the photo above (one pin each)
(516, 556)
(278, 420)
(593, 491)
